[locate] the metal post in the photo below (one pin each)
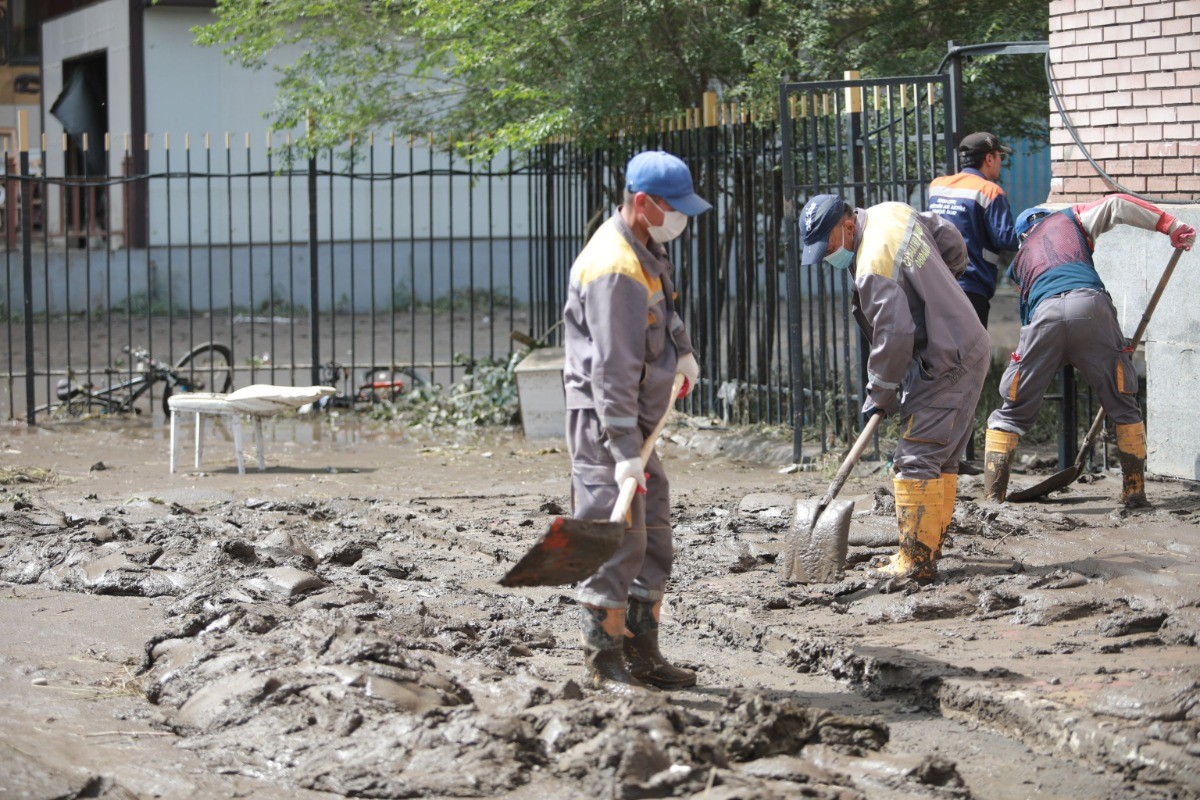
(1068, 420)
(27, 258)
(314, 319)
(957, 107)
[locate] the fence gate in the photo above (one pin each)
(870, 141)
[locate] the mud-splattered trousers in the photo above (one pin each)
(623, 341)
(1078, 327)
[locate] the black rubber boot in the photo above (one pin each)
(645, 660)
(603, 659)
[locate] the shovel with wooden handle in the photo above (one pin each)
(1072, 473)
(820, 534)
(573, 549)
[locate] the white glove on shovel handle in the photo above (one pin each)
(689, 368)
(629, 484)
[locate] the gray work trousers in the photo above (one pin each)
(933, 439)
(642, 564)
(1079, 328)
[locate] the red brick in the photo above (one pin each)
(1148, 97)
(1059, 136)
(1090, 135)
(1188, 113)
(1146, 30)
(1187, 148)
(1148, 166)
(1116, 33)
(1106, 116)
(1134, 47)
(1073, 53)
(1136, 80)
(1147, 133)
(1089, 69)
(1130, 14)
(1108, 50)
(1089, 102)
(1104, 16)
(1089, 36)
(1074, 22)
(1181, 132)
(1129, 149)
(1103, 84)
(1055, 25)
(1160, 46)
(1059, 41)
(1101, 151)
(1088, 5)
(1075, 86)
(1160, 80)
(1079, 186)
(1177, 97)
(1163, 150)
(1161, 183)
(1059, 8)
(1146, 63)
(1156, 9)
(1064, 169)
(1188, 183)
(1187, 43)
(1176, 26)
(1115, 167)
(1162, 114)
(1117, 3)
(1118, 99)
(1131, 116)
(1178, 166)
(1134, 183)
(1179, 60)
(1070, 70)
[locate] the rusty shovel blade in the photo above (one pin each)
(570, 551)
(820, 539)
(1058, 480)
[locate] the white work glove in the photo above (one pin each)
(630, 468)
(690, 369)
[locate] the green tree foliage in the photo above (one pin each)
(490, 74)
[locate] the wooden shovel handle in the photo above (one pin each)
(1133, 343)
(851, 459)
(629, 485)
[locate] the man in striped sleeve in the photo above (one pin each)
(1067, 317)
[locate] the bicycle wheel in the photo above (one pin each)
(206, 368)
(74, 409)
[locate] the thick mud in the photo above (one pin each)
(334, 627)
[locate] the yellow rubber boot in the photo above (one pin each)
(949, 492)
(997, 462)
(919, 515)
(1131, 452)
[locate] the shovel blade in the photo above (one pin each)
(1058, 480)
(570, 551)
(819, 540)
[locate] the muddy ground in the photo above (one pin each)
(332, 627)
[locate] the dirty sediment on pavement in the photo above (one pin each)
(334, 627)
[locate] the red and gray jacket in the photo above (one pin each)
(623, 337)
(1056, 257)
(924, 332)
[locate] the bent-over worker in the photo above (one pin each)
(928, 356)
(624, 345)
(1067, 317)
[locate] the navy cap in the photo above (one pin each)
(820, 216)
(978, 145)
(664, 175)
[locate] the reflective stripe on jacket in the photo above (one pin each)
(622, 335)
(979, 209)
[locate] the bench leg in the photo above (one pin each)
(237, 441)
(174, 429)
(198, 449)
(258, 444)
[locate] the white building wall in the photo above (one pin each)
(103, 27)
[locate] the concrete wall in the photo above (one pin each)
(1128, 73)
(249, 277)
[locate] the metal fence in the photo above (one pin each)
(388, 252)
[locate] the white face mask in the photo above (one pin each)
(673, 224)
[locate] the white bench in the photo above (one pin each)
(257, 401)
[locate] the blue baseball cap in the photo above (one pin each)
(664, 175)
(818, 219)
(1028, 218)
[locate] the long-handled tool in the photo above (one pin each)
(1072, 473)
(573, 549)
(820, 535)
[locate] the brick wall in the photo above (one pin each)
(1128, 75)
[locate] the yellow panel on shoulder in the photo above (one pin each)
(887, 226)
(607, 253)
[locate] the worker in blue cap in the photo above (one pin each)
(625, 342)
(1067, 317)
(928, 356)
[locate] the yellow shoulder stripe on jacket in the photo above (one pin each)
(966, 187)
(607, 253)
(887, 224)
